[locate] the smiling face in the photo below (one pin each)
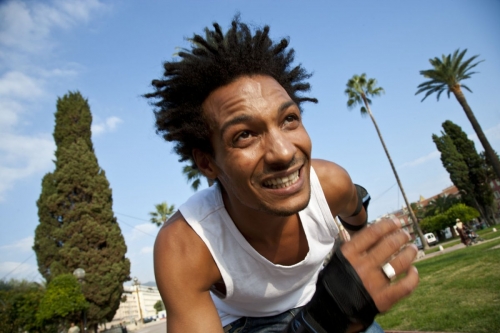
(262, 152)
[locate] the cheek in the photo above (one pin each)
(304, 141)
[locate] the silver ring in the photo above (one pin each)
(389, 271)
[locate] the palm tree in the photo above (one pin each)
(194, 176)
(440, 205)
(447, 74)
(359, 90)
(162, 213)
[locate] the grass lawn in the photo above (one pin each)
(458, 292)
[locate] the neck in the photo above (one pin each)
(258, 226)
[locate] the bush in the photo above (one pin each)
(441, 221)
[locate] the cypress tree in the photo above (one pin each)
(77, 226)
(478, 187)
(454, 163)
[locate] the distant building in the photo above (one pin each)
(402, 215)
(137, 302)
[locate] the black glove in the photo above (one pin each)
(339, 301)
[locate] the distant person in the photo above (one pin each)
(249, 251)
(462, 232)
(123, 327)
(73, 328)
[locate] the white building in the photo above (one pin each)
(139, 301)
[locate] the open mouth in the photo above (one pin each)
(282, 182)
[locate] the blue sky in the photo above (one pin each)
(111, 50)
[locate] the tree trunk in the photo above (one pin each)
(483, 212)
(488, 150)
(410, 211)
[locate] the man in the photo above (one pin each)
(246, 253)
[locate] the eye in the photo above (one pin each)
(242, 135)
(291, 120)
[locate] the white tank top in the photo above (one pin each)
(256, 287)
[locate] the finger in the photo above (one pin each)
(367, 237)
(403, 260)
(388, 246)
(398, 290)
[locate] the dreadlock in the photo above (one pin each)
(213, 62)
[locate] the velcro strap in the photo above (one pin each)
(347, 289)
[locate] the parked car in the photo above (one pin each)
(418, 243)
(431, 239)
(147, 320)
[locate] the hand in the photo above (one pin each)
(376, 245)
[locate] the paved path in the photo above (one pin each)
(159, 326)
(451, 249)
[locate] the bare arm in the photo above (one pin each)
(185, 271)
(339, 191)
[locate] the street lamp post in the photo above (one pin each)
(79, 273)
(137, 284)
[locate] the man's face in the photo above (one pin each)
(262, 151)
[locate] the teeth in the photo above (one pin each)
(283, 181)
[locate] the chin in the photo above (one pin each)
(287, 210)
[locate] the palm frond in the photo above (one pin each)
(465, 87)
(447, 72)
(359, 90)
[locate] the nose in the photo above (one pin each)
(280, 150)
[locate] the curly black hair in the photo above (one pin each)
(213, 62)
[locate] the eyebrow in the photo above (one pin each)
(244, 118)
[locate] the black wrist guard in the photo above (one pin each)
(363, 201)
(339, 301)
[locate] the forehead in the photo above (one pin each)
(248, 95)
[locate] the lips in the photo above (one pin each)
(282, 182)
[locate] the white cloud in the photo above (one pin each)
(23, 156)
(144, 230)
(18, 85)
(109, 125)
(26, 26)
(147, 250)
(23, 245)
(26, 46)
(421, 160)
(11, 269)
(9, 115)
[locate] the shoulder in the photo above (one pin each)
(180, 255)
(336, 184)
(184, 272)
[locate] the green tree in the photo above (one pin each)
(477, 174)
(454, 163)
(458, 170)
(77, 227)
(19, 303)
(440, 204)
(194, 176)
(448, 218)
(162, 213)
(159, 306)
(63, 300)
(490, 173)
(462, 212)
(447, 74)
(359, 91)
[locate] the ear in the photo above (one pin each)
(205, 163)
